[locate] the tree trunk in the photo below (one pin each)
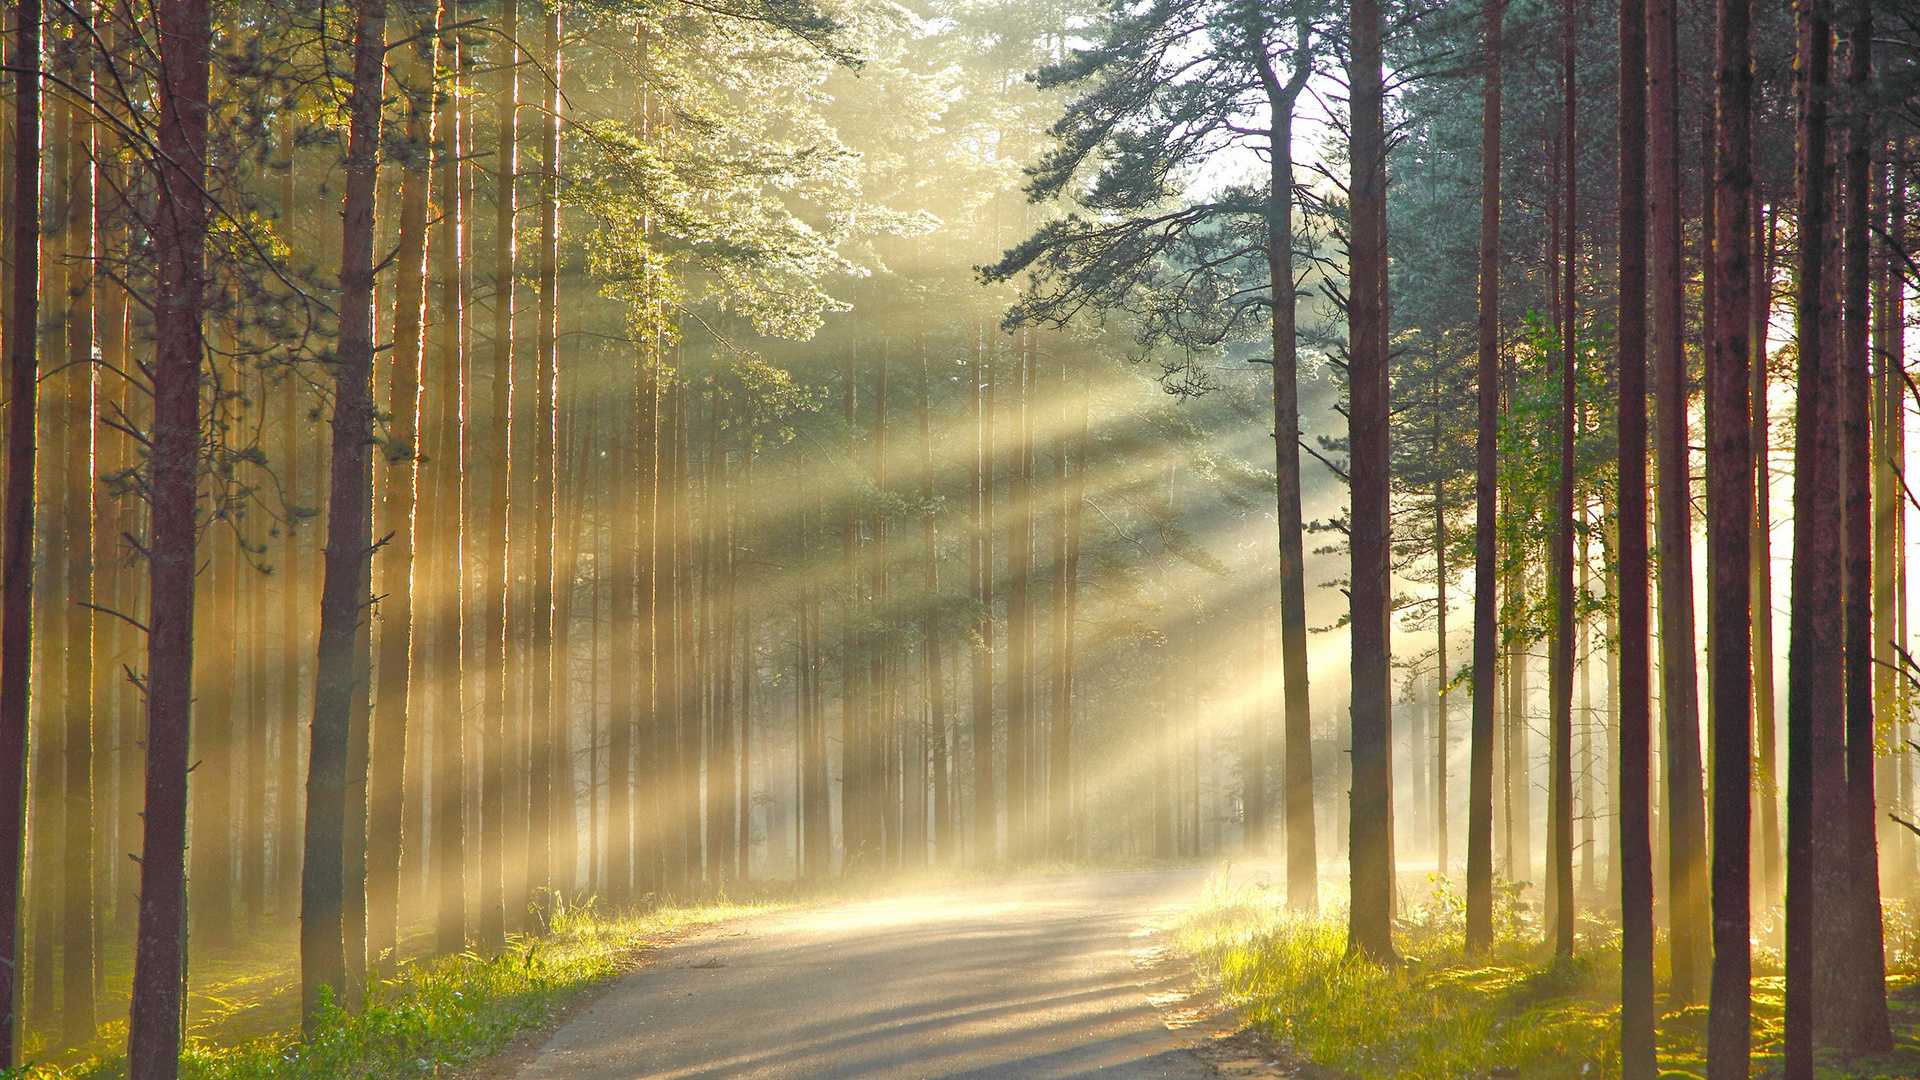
(1816, 678)
(16, 572)
(153, 1044)
(343, 601)
(1680, 708)
(547, 730)
(1860, 1022)
(1486, 574)
(986, 828)
(1020, 826)
(1565, 647)
(447, 631)
(1303, 874)
(1370, 850)
(1730, 483)
(1637, 1015)
(77, 810)
(395, 699)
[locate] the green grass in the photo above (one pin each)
(1443, 1015)
(434, 1015)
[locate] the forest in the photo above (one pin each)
(478, 473)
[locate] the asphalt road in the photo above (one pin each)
(1019, 980)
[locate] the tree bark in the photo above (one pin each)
(1730, 504)
(1486, 573)
(447, 630)
(16, 569)
(1565, 647)
(1816, 653)
(343, 599)
(1860, 1023)
(153, 1044)
(986, 828)
(1370, 848)
(396, 699)
(1637, 1014)
(1680, 707)
(547, 731)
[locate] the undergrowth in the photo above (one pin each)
(433, 1015)
(1442, 1014)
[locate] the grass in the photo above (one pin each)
(434, 1015)
(1444, 1015)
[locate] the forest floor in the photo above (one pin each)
(1518, 1012)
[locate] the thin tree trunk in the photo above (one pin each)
(1370, 848)
(395, 699)
(77, 905)
(547, 730)
(1565, 646)
(980, 568)
(447, 632)
(1486, 575)
(1020, 826)
(1303, 874)
(1637, 1014)
(1680, 708)
(153, 1044)
(1816, 681)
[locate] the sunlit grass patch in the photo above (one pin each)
(1516, 1011)
(434, 1014)
(1438, 1015)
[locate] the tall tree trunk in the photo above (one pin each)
(1730, 485)
(1860, 1023)
(153, 1043)
(1565, 646)
(1060, 834)
(77, 811)
(547, 730)
(1637, 1015)
(1303, 872)
(395, 699)
(1816, 678)
(16, 572)
(1680, 708)
(447, 631)
(1020, 826)
(504, 805)
(1370, 849)
(986, 842)
(343, 601)
(1486, 574)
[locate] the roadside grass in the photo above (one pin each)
(1444, 1015)
(433, 1016)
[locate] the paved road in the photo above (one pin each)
(1021, 980)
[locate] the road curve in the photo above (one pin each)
(1015, 980)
